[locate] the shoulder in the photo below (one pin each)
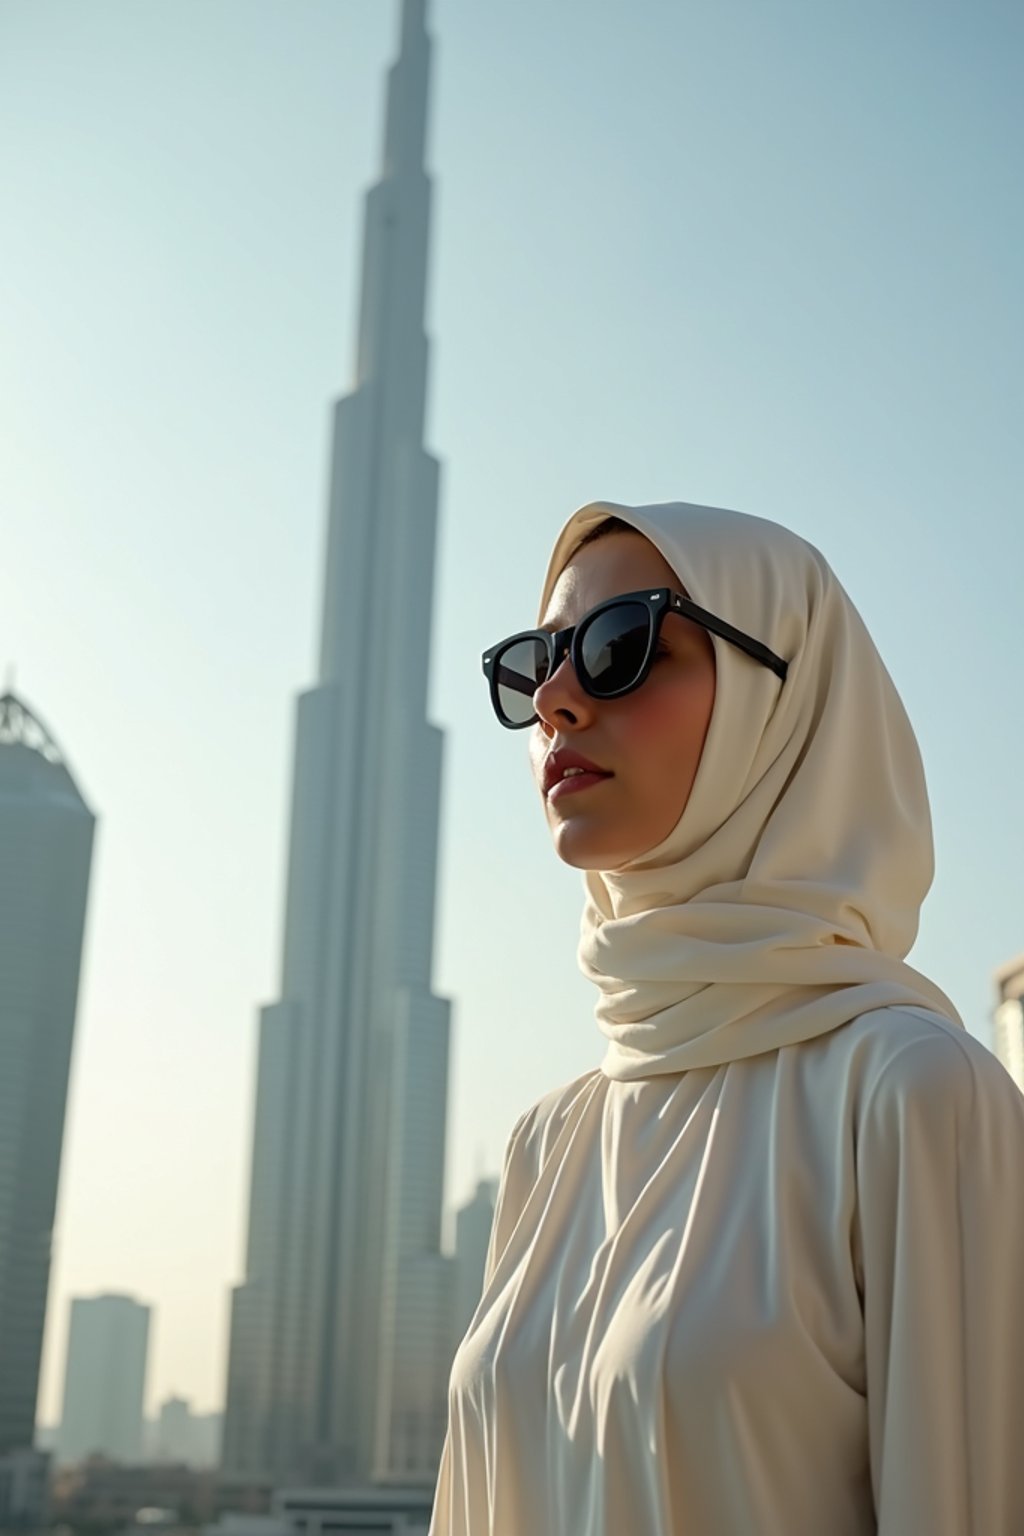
(938, 1141)
(914, 1068)
(909, 1051)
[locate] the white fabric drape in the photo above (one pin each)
(787, 897)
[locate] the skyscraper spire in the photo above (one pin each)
(385, 429)
(414, 19)
(340, 1333)
(407, 91)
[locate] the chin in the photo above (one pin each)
(584, 847)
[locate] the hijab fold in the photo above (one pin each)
(786, 898)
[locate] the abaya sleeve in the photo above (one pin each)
(941, 1265)
(509, 1200)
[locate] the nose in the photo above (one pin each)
(561, 702)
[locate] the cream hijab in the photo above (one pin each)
(785, 899)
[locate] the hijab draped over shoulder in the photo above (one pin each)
(785, 900)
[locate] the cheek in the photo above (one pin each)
(667, 729)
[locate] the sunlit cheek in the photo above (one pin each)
(668, 728)
(658, 719)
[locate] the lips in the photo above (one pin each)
(574, 784)
(558, 762)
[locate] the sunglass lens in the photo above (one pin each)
(520, 670)
(613, 648)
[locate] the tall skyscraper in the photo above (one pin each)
(46, 833)
(1008, 1019)
(104, 1380)
(338, 1356)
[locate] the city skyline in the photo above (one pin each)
(746, 259)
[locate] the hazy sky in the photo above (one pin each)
(759, 253)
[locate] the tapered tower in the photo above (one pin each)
(46, 840)
(339, 1333)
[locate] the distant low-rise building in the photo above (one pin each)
(174, 1431)
(473, 1222)
(179, 1435)
(331, 1511)
(100, 1493)
(1008, 1019)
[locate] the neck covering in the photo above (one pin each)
(784, 901)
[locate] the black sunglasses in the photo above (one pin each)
(611, 650)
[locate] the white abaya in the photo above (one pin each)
(778, 1297)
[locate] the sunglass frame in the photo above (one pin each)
(658, 603)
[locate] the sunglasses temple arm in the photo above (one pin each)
(516, 681)
(736, 637)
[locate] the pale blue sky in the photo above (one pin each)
(758, 253)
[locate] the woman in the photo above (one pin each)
(762, 1272)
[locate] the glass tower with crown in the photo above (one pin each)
(46, 837)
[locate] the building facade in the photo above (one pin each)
(46, 838)
(24, 1490)
(338, 1354)
(1008, 1019)
(104, 1380)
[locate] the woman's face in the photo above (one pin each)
(648, 743)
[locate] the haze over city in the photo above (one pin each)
(764, 258)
